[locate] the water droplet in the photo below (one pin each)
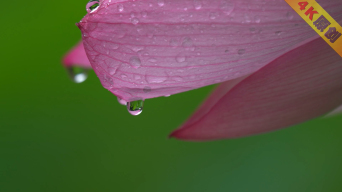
(277, 33)
(257, 19)
(241, 51)
(77, 74)
(187, 42)
(197, 4)
(137, 77)
(253, 30)
(147, 89)
(180, 58)
(212, 15)
(144, 14)
(155, 79)
(247, 18)
(173, 42)
(167, 95)
(135, 107)
(121, 101)
(177, 78)
(152, 60)
(135, 62)
(112, 71)
(161, 3)
(289, 15)
(227, 7)
(92, 6)
(135, 20)
(120, 7)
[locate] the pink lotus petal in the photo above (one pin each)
(77, 56)
(300, 85)
(172, 46)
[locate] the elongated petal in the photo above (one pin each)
(172, 46)
(77, 56)
(300, 85)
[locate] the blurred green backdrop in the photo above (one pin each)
(59, 136)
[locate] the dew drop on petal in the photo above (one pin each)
(92, 6)
(135, 62)
(161, 3)
(241, 51)
(121, 101)
(212, 15)
(227, 7)
(289, 15)
(147, 89)
(144, 14)
(277, 33)
(120, 7)
(257, 19)
(180, 58)
(135, 20)
(197, 4)
(77, 74)
(187, 42)
(135, 107)
(155, 79)
(173, 42)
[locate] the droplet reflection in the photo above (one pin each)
(135, 107)
(92, 6)
(77, 74)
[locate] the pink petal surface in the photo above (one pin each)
(172, 46)
(77, 56)
(303, 84)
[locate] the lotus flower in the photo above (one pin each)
(274, 70)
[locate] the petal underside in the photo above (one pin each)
(304, 83)
(172, 46)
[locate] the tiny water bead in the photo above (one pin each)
(121, 101)
(135, 107)
(77, 74)
(92, 6)
(135, 62)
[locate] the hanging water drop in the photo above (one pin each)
(121, 101)
(92, 6)
(77, 74)
(120, 7)
(135, 107)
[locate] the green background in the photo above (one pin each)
(59, 136)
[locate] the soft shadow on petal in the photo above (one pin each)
(180, 45)
(304, 83)
(77, 56)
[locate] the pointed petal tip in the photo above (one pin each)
(76, 57)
